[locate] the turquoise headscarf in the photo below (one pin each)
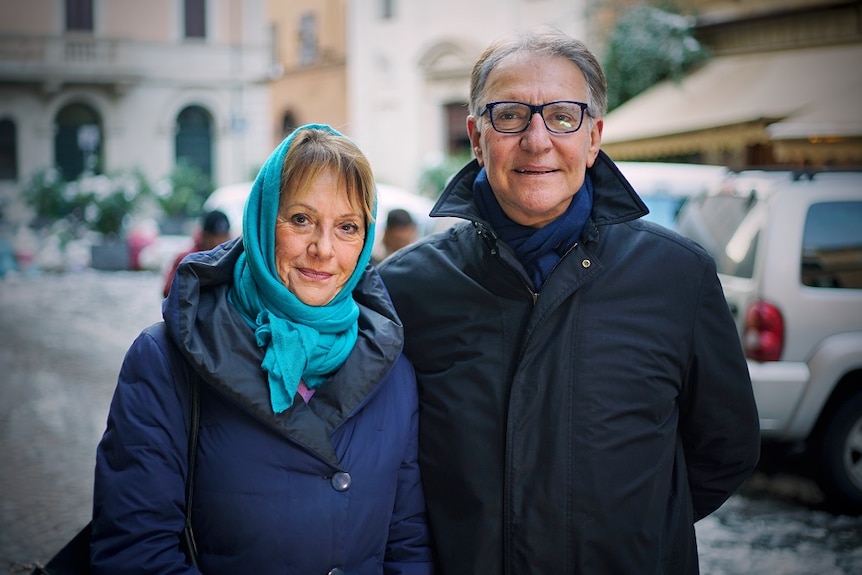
(302, 342)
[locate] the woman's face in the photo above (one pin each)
(318, 239)
(535, 174)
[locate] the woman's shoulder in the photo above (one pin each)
(154, 363)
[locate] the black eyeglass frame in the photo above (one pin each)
(535, 109)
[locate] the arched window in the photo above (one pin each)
(77, 141)
(288, 123)
(8, 150)
(457, 140)
(194, 139)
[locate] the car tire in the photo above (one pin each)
(840, 456)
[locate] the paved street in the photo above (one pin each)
(62, 339)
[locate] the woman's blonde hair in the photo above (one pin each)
(312, 152)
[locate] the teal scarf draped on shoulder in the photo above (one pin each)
(302, 342)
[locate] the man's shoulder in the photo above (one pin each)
(433, 249)
(666, 248)
(420, 272)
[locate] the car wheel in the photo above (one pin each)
(840, 455)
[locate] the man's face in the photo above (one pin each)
(535, 174)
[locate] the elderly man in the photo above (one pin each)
(584, 396)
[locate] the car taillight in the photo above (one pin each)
(763, 334)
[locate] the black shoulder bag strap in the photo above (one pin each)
(194, 426)
(74, 557)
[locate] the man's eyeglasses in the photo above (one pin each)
(563, 117)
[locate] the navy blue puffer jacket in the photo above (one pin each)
(325, 486)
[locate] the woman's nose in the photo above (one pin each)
(321, 243)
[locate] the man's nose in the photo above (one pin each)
(537, 133)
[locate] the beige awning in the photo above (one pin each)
(809, 94)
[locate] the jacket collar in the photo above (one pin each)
(218, 343)
(614, 199)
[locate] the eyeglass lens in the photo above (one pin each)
(513, 117)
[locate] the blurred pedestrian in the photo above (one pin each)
(584, 394)
(401, 230)
(214, 230)
(307, 459)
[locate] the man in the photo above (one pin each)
(215, 230)
(584, 396)
(400, 231)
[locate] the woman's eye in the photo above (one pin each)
(350, 228)
(299, 219)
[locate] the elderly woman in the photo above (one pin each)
(307, 452)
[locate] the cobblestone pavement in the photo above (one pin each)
(58, 364)
(62, 340)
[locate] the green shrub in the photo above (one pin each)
(647, 46)
(183, 192)
(96, 202)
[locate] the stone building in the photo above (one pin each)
(123, 84)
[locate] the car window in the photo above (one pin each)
(832, 246)
(728, 227)
(663, 210)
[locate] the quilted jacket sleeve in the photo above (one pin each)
(139, 496)
(408, 551)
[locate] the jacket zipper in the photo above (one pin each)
(483, 231)
(491, 238)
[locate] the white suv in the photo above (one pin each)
(789, 254)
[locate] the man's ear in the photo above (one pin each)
(596, 127)
(475, 138)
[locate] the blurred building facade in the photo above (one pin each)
(409, 72)
(781, 88)
(116, 84)
(122, 84)
(309, 68)
(392, 74)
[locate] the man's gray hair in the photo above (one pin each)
(543, 41)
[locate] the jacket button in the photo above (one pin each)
(586, 263)
(336, 571)
(340, 482)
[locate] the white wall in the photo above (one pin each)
(402, 71)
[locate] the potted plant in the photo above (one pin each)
(181, 196)
(110, 200)
(96, 204)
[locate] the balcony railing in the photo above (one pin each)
(81, 58)
(29, 51)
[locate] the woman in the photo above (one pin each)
(307, 454)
